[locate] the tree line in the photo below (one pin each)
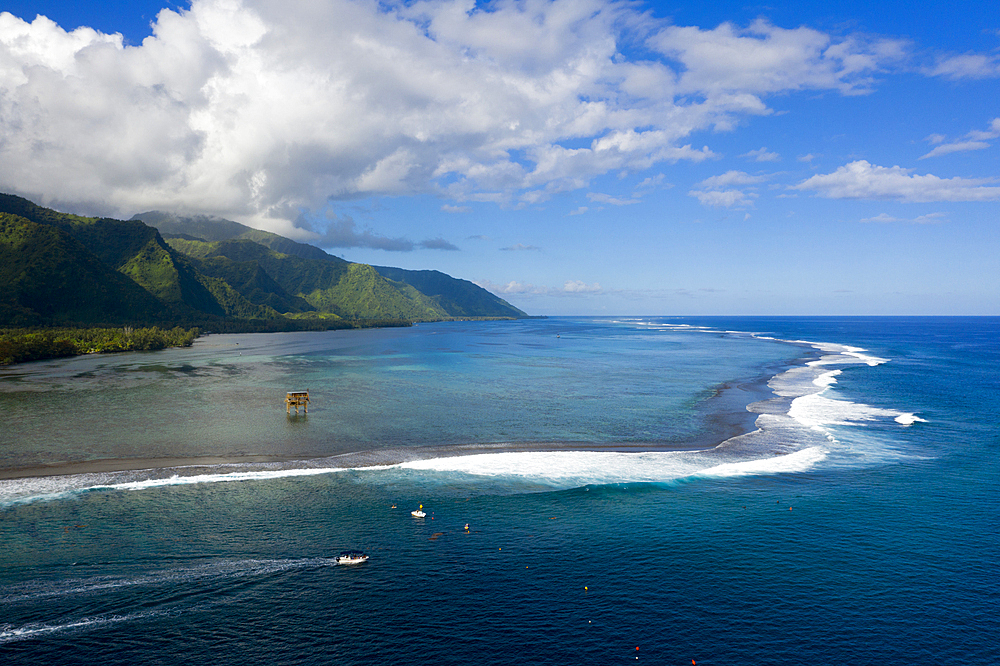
(18, 345)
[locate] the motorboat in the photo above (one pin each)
(351, 557)
(418, 513)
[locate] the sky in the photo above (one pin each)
(571, 156)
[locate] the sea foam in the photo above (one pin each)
(565, 469)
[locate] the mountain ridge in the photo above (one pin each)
(60, 268)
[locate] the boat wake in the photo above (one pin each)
(151, 588)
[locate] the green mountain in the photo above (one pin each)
(140, 253)
(57, 268)
(48, 277)
(331, 286)
(451, 297)
(459, 298)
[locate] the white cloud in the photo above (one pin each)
(929, 218)
(809, 157)
(579, 211)
(512, 287)
(882, 217)
(861, 180)
(957, 147)
(519, 247)
(732, 178)
(966, 66)
(761, 155)
(570, 288)
(992, 131)
(974, 140)
(448, 208)
(256, 111)
(764, 58)
(723, 198)
(712, 192)
(597, 197)
(579, 287)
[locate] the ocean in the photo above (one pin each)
(598, 490)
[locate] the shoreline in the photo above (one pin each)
(725, 415)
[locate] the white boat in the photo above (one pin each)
(418, 513)
(351, 557)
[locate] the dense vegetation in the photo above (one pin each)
(20, 345)
(70, 272)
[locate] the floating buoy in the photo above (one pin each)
(585, 588)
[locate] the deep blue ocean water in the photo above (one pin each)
(614, 509)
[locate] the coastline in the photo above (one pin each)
(726, 415)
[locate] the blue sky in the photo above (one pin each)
(574, 157)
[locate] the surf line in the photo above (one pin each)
(29, 490)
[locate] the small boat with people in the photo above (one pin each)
(351, 557)
(418, 513)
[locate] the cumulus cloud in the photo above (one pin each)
(580, 287)
(744, 63)
(715, 196)
(723, 198)
(861, 180)
(732, 177)
(762, 155)
(448, 208)
(257, 111)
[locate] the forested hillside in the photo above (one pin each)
(58, 269)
